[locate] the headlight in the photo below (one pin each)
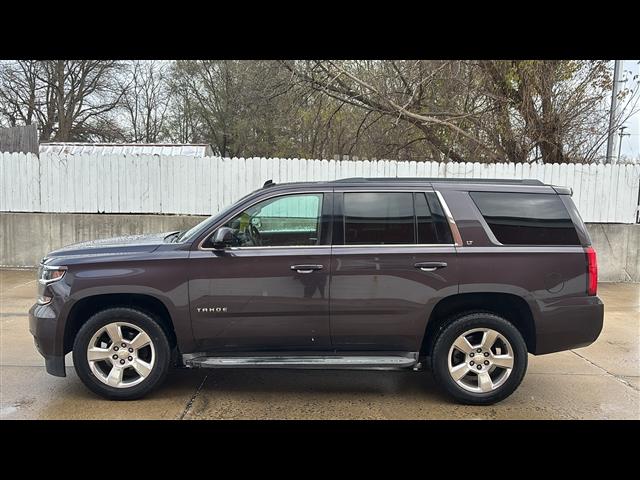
(49, 273)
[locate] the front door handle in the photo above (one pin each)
(306, 268)
(430, 266)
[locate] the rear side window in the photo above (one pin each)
(378, 218)
(526, 218)
(393, 218)
(431, 222)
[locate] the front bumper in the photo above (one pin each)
(568, 323)
(44, 325)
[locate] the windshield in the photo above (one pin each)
(203, 226)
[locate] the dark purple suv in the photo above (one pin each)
(465, 276)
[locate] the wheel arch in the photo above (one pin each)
(513, 308)
(84, 308)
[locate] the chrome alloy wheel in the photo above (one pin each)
(121, 355)
(480, 360)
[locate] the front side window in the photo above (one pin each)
(288, 220)
(526, 218)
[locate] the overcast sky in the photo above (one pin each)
(631, 143)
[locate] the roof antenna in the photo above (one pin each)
(268, 183)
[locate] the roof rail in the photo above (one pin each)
(440, 180)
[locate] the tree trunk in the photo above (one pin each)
(434, 140)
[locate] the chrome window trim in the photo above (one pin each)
(379, 190)
(377, 245)
(457, 238)
(261, 199)
(271, 247)
(370, 245)
(523, 249)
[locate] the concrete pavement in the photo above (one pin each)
(601, 381)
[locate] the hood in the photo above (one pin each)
(127, 244)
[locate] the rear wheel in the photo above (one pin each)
(479, 358)
(121, 354)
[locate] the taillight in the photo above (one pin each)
(592, 271)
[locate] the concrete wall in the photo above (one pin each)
(618, 249)
(26, 237)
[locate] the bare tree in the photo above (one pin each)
(145, 101)
(477, 111)
(237, 105)
(403, 90)
(69, 99)
(19, 91)
(456, 110)
(553, 107)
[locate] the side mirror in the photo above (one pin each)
(222, 238)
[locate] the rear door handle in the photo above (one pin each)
(306, 268)
(430, 266)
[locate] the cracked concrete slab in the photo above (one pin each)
(618, 348)
(30, 393)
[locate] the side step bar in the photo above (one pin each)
(364, 362)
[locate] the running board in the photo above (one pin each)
(365, 362)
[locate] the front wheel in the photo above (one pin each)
(479, 358)
(121, 354)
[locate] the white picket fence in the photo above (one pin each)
(188, 185)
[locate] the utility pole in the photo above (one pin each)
(617, 70)
(622, 134)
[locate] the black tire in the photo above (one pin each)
(139, 319)
(462, 324)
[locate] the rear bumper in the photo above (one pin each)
(568, 323)
(44, 326)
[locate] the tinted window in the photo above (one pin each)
(378, 218)
(290, 220)
(432, 224)
(527, 218)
